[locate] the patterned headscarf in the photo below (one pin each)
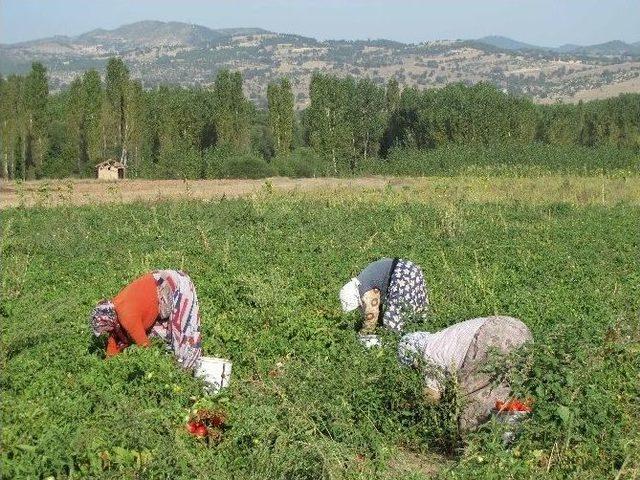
(103, 318)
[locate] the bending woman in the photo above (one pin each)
(161, 304)
(464, 350)
(390, 285)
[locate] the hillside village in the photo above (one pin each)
(189, 55)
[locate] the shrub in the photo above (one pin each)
(179, 161)
(303, 162)
(223, 163)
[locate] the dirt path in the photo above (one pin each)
(554, 188)
(79, 192)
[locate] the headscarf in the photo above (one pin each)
(350, 295)
(103, 318)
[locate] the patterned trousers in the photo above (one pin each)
(179, 324)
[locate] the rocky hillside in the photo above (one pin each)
(179, 53)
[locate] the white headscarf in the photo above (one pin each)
(350, 295)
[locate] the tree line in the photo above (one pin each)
(174, 132)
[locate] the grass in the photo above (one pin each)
(571, 189)
(306, 401)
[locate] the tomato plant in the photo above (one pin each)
(267, 271)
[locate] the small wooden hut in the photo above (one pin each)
(110, 170)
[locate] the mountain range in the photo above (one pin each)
(613, 48)
(188, 54)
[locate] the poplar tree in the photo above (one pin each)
(17, 127)
(4, 127)
(392, 96)
(367, 118)
(93, 102)
(177, 119)
(231, 111)
(76, 126)
(36, 91)
(134, 124)
(9, 123)
(116, 85)
(281, 115)
(327, 118)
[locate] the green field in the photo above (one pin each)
(306, 400)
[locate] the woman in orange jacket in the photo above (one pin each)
(161, 304)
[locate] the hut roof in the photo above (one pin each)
(111, 163)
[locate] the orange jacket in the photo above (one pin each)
(137, 309)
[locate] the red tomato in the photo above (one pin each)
(201, 431)
(512, 406)
(192, 426)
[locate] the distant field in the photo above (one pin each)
(305, 400)
(605, 91)
(573, 189)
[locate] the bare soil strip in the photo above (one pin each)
(553, 188)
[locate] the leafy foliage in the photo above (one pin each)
(509, 158)
(281, 115)
(348, 122)
(306, 400)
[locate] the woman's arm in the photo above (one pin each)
(112, 347)
(135, 329)
(132, 328)
(117, 342)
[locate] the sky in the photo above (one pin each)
(540, 22)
